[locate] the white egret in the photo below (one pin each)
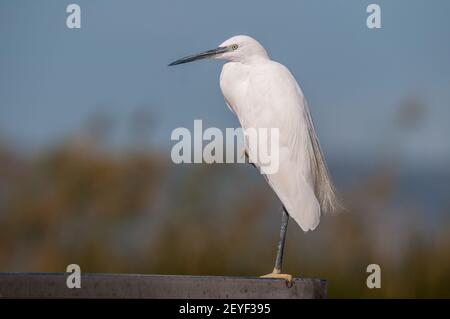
(264, 94)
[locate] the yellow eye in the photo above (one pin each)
(234, 47)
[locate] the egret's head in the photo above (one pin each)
(240, 48)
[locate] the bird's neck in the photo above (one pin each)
(254, 59)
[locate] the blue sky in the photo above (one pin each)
(53, 79)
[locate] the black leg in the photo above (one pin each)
(283, 231)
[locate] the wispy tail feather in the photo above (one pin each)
(323, 186)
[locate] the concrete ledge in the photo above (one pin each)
(53, 285)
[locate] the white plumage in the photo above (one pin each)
(264, 94)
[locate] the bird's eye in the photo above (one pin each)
(234, 47)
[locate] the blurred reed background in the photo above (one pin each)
(86, 116)
(135, 212)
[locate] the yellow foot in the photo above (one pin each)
(276, 274)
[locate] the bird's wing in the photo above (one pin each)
(295, 192)
(274, 100)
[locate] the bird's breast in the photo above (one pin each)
(234, 81)
(248, 90)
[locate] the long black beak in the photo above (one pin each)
(199, 56)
